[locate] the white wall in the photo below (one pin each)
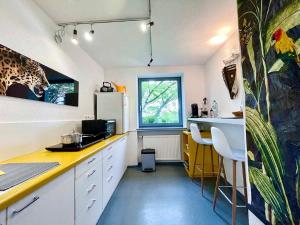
(217, 90)
(194, 90)
(26, 125)
(215, 86)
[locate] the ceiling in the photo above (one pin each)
(181, 33)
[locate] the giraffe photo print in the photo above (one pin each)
(25, 78)
(270, 45)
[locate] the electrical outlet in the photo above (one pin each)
(89, 117)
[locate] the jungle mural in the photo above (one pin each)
(270, 45)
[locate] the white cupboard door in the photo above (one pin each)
(123, 143)
(3, 217)
(52, 204)
(121, 166)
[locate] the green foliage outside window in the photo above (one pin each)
(160, 102)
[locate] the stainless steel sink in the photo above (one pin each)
(16, 173)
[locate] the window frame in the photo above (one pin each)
(178, 79)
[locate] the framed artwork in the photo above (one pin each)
(25, 78)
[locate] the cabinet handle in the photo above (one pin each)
(15, 212)
(91, 173)
(109, 157)
(110, 178)
(109, 168)
(92, 204)
(92, 188)
(92, 160)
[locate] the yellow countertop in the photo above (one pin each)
(67, 160)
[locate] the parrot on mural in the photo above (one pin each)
(285, 47)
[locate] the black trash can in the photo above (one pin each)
(148, 160)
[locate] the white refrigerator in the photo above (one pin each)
(113, 105)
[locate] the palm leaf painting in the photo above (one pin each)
(270, 45)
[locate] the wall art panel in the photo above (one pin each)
(25, 78)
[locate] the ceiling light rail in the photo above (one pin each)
(59, 34)
(76, 23)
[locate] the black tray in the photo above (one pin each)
(73, 147)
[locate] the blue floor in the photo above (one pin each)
(166, 197)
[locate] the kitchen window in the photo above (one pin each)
(160, 102)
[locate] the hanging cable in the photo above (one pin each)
(151, 23)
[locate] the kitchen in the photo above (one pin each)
(196, 52)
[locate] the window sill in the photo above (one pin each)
(161, 129)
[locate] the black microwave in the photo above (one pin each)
(101, 128)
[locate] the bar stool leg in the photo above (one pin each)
(245, 183)
(195, 161)
(212, 159)
(224, 174)
(202, 177)
(234, 201)
(217, 182)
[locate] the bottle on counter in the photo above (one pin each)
(211, 113)
(204, 109)
(215, 110)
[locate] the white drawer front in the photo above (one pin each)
(3, 217)
(88, 163)
(90, 213)
(86, 201)
(109, 185)
(108, 170)
(107, 151)
(88, 179)
(86, 186)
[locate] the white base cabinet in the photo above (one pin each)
(114, 166)
(3, 217)
(78, 197)
(88, 191)
(53, 204)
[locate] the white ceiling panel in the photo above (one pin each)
(181, 33)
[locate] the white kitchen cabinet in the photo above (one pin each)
(114, 166)
(53, 204)
(3, 217)
(87, 164)
(88, 191)
(122, 157)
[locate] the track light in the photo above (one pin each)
(151, 60)
(89, 35)
(145, 26)
(75, 37)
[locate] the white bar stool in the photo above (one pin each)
(196, 136)
(222, 146)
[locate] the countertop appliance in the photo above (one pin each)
(195, 111)
(93, 131)
(113, 105)
(106, 87)
(106, 128)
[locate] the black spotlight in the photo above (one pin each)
(151, 23)
(151, 60)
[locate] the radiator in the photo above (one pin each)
(167, 147)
